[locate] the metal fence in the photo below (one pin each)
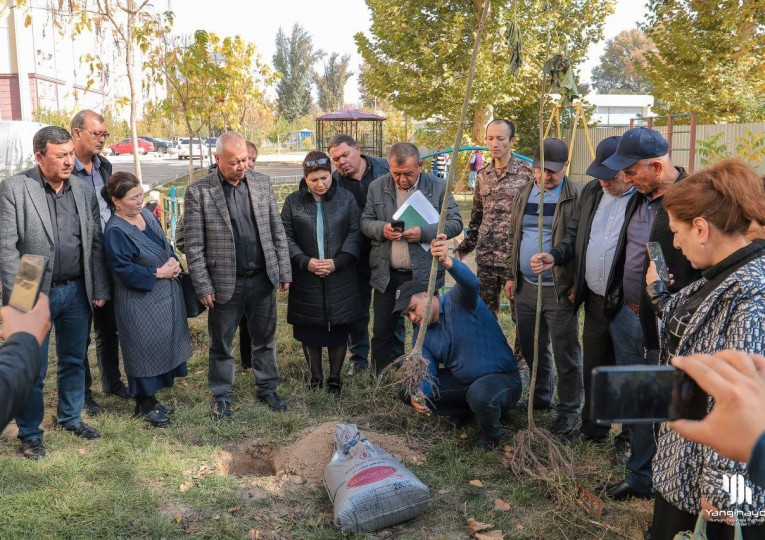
(681, 144)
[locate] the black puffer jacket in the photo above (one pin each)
(334, 299)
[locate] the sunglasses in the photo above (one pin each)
(315, 162)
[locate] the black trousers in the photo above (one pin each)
(385, 322)
(107, 349)
(669, 520)
(597, 350)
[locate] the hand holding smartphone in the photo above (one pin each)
(29, 279)
(657, 256)
(398, 225)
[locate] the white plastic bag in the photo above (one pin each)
(370, 489)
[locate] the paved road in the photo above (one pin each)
(157, 169)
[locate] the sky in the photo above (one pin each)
(332, 23)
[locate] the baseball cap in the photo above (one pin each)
(636, 144)
(606, 148)
(556, 155)
(406, 291)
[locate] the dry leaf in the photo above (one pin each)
(233, 509)
(81, 451)
(463, 436)
(476, 526)
(501, 505)
(519, 527)
(490, 535)
(178, 518)
(444, 491)
(591, 503)
(185, 487)
(509, 448)
(476, 483)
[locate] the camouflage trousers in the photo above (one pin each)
(492, 280)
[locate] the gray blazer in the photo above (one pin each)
(25, 228)
(381, 205)
(208, 238)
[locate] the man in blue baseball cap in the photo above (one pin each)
(591, 239)
(643, 157)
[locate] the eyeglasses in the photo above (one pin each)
(98, 134)
(315, 162)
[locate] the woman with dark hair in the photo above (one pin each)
(710, 213)
(321, 221)
(148, 299)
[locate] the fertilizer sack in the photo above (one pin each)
(370, 489)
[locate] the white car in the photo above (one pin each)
(182, 149)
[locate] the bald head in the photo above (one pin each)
(230, 139)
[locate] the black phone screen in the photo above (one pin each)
(644, 394)
(657, 256)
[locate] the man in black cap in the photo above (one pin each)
(591, 238)
(643, 156)
(559, 324)
(470, 361)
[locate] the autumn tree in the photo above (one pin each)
(331, 84)
(709, 58)
(420, 68)
(621, 69)
(294, 60)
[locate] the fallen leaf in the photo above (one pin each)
(509, 448)
(233, 509)
(476, 483)
(178, 518)
(463, 436)
(476, 526)
(501, 505)
(185, 487)
(519, 527)
(81, 451)
(444, 491)
(591, 503)
(490, 535)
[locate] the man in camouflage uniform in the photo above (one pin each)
(488, 233)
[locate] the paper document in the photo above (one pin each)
(416, 212)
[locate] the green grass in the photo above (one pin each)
(127, 483)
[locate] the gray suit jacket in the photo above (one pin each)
(25, 228)
(208, 238)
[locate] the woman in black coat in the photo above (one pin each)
(321, 220)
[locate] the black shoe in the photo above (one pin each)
(164, 409)
(355, 369)
(221, 409)
(33, 449)
(83, 430)
(486, 443)
(91, 407)
(563, 425)
(157, 418)
(274, 402)
(119, 390)
(334, 386)
(591, 437)
(623, 491)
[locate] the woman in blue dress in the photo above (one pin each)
(148, 299)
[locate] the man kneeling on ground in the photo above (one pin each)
(472, 367)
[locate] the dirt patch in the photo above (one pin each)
(246, 459)
(312, 450)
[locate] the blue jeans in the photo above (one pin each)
(627, 334)
(70, 316)
(487, 398)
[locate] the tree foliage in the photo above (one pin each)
(331, 84)
(710, 58)
(420, 68)
(294, 60)
(621, 69)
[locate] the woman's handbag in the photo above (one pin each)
(193, 306)
(700, 532)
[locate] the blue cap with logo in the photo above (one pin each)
(636, 144)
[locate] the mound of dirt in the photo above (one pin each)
(312, 450)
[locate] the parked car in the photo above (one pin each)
(160, 145)
(211, 143)
(126, 147)
(182, 148)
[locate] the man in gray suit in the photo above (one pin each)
(237, 254)
(45, 211)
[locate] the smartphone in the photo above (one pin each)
(640, 394)
(397, 226)
(657, 256)
(29, 279)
